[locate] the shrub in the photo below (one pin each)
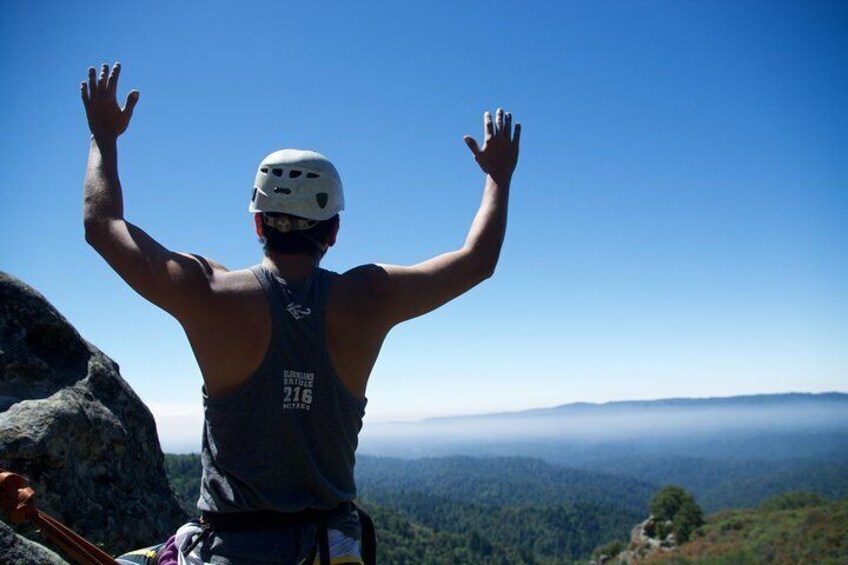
(667, 501)
(676, 504)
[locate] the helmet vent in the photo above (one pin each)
(264, 169)
(321, 198)
(253, 198)
(293, 174)
(312, 175)
(278, 172)
(283, 190)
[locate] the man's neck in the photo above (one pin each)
(292, 267)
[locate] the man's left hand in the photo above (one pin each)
(106, 119)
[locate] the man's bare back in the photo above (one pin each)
(232, 335)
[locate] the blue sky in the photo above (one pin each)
(678, 217)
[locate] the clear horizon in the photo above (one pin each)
(677, 219)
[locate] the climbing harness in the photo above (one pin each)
(369, 537)
(267, 519)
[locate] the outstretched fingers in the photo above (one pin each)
(516, 138)
(488, 128)
(499, 154)
(84, 94)
(106, 118)
(92, 82)
(472, 145)
(112, 84)
(101, 80)
(132, 100)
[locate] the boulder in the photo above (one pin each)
(645, 542)
(71, 425)
(17, 550)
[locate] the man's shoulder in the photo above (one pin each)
(223, 280)
(231, 295)
(368, 274)
(362, 282)
(209, 267)
(355, 291)
(236, 280)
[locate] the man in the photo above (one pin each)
(285, 348)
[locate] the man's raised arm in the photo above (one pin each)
(172, 281)
(400, 293)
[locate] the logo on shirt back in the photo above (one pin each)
(297, 390)
(297, 311)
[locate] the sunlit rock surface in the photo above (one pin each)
(76, 430)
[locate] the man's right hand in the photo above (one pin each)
(106, 119)
(500, 147)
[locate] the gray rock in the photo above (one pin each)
(76, 430)
(644, 542)
(17, 550)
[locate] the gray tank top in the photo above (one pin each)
(285, 440)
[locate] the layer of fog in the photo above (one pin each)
(621, 422)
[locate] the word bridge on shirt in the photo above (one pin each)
(297, 390)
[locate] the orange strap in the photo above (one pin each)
(18, 499)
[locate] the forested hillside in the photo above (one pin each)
(521, 510)
(526, 508)
(510, 481)
(485, 534)
(466, 510)
(184, 474)
(721, 483)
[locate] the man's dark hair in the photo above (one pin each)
(299, 241)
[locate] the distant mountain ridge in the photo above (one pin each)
(677, 402)
(637, 419)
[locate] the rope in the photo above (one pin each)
(17, 498)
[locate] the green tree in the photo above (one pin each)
(676, 504)
(667, 501)
(688, 518)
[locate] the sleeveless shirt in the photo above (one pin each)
(285, 440)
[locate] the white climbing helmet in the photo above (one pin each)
(299, 183)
